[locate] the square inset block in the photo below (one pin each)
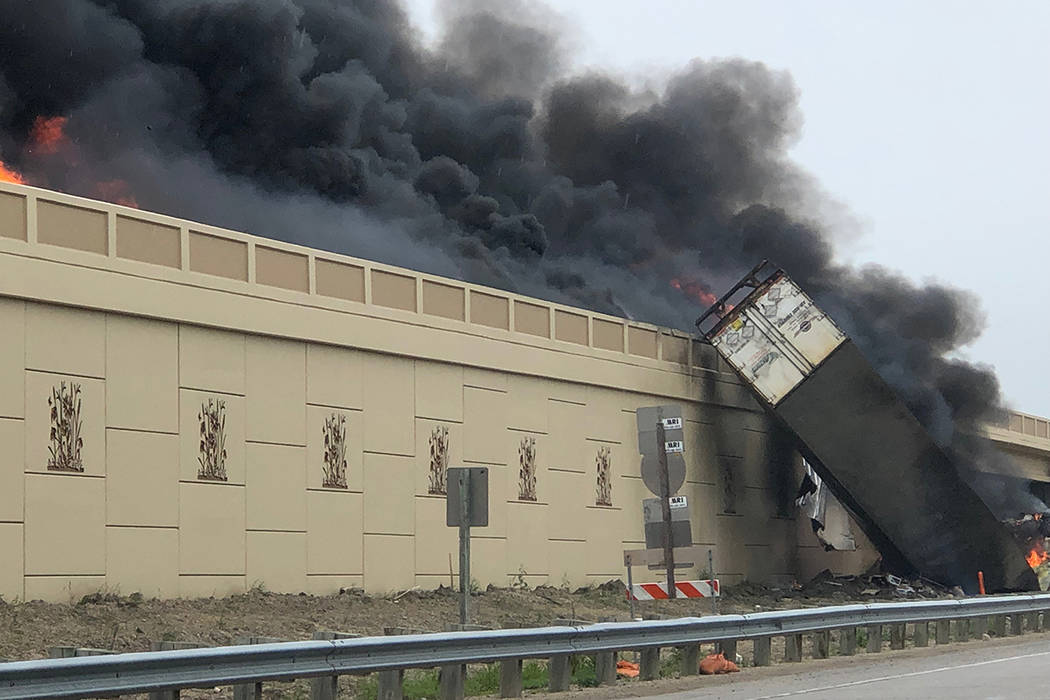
(333, 376)
(143, 560)
(142, 487)
(393, 291)
(608, 335)
(439, 391)
(276, 487)
(641, 341)
(532, 319)
(72, 227)
(11, 544)
(335, 523)
(211, 529)
(390, 489)
(211, 360)
(65, 525)
(527, 535)
(276, 391)
(12, 469)
(342, 431)
(489, 310)
(570, 327)
(439, 445)
(341, 281)
(142, 385)
(389, 399)
(67, 341)
(12, 358)
(277, 561)
(148, 241)
(484, 426)
(12, 216)
(210, 426)
(389, 563)
(443, 300)
(281, 268)
(215, 255)
(77, 444)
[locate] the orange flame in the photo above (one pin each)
(1037, 556)
(695, 290)
(48, 134)
(9, 175)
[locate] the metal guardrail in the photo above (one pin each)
(219, 666)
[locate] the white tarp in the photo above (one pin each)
(831, 522)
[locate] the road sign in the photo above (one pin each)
(672, 423)
(478, 489)
(686, 589)
(678, 502)
(681, 532)
(669, 418)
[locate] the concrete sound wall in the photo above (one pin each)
(189, 411)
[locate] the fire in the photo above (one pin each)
(1037, 556)
(47, 134)
(9, 175)
(116, 191)
(696, 290)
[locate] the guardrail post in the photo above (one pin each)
(792, 647)
(728, 647)
(690, 660)
(252, 691)
(605, 667)
(943, 627)
(649, 668)
(327, 687)
(821, 644)
(848, 641)
(168, 646)
(1033, 621)
(1016, 627)
(999, 625)
(510, 678)
(874, 639)
(897, 636)
(962, 630)
(559, 673)
(921, 635)
(763, 651)
(391, 684)
(450, 681)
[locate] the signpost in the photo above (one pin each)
(661, 442)
(466, 506)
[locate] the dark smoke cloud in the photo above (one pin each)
(329, 123)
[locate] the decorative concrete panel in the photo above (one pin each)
(221, 257)
(485, 379)
(12, 358)
(72, 227)
(388, 563)
(142, 484)
(335, 522)
(339, 280)
(333, 376)
(211, 360)
(390, 489)
(444, 300)
(193, 586)
(142, 366)
(12, 216)
(485, 426)
(143, 560)
(324, 585)
(527, 533)
(147, 241)
(568, 494)
(276, 561)
(393, 291)
(608, 335)
(68, 341)
(674, 348)
(488, 560)
(641, 341)
(435, 542)
(12, 456)
(65, 589)
(568, 563)
(276, 487)
(532, 319)
(439, 445)
(65, 429)
(11, 584)
(211, 529)
(333, 448)
(439, 391)
(489, 310)
(389, 402)
(604, 542)
(65, 525)
(282, 268)
(602, 416)
(527, 403)
(276, 395)
(211, 437)
(566, 436)
(570, 327)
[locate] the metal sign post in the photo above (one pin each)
(665, 507)
(661, 442)
(466, 506)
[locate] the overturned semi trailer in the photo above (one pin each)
(862, 440)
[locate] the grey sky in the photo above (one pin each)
(930, 121)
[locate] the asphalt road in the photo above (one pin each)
(1007, 669)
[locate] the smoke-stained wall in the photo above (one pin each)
(188, 411)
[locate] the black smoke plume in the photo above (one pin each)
(329, 123)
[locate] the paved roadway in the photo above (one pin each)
(989, 671)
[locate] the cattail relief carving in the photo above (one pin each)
(438, 460)
(212, 458)
(335, 451)
(603, 492)
(527, 471)
(66, 425)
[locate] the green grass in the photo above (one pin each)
(482, 680)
